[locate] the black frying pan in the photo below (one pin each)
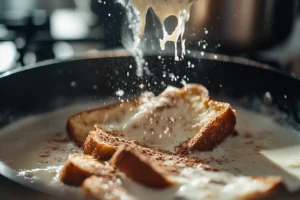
(50, 85)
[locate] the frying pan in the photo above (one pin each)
(54, 84)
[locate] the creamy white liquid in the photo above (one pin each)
(23, 143)
(165, 128)
(25, 147)
(163, 9)
(163, 121)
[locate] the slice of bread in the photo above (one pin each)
(102, 146)
(79, 125)
(99, 180)
(78, 167)
(140, 169)
(177, 120)
(158, 132)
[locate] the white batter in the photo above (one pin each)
(37, 147)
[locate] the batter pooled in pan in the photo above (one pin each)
(148, 142)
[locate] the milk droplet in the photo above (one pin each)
(120, 92)
(141, 86)
(73, 84)
(268, 98)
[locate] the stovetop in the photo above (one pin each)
(32, 31)
(60, 30)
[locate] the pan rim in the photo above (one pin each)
(123, 53)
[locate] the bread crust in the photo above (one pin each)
(79, 135)
(138, 168)
(102, 146)
(209, 135)
(78, 167)
(212, 134)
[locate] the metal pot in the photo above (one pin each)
(241, 25)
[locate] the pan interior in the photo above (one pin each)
(35, 147)
(262, 147)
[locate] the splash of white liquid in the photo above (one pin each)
(134, 47)
(136, 15)
(164, 9)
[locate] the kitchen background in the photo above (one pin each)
(35, 30)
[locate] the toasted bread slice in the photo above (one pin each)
(102, 146)
(79, 125)
(94, 176)
(98, 184)
(139, 168)
(178, 120)
(78, 167)
(266, 187)
(104, 188)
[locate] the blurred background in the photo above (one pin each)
(36, 30)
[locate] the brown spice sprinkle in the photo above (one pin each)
(59, 137)
(249, 142)
(248, 135)
(258, 147)
(235, 133)
(98, 138)
(44, 154)
(138, 167)
(63, 140)
(55, 142)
